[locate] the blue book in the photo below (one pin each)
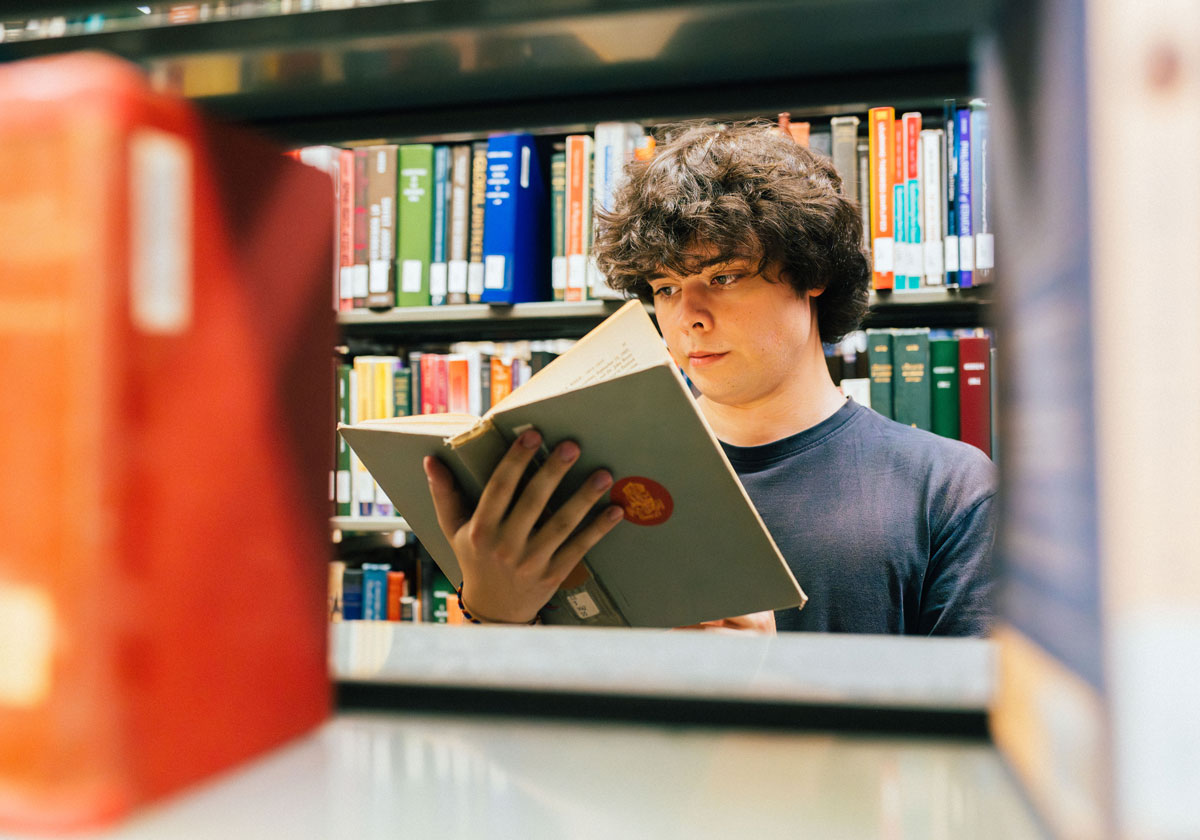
(950, 184)
(516, 252)
(374, 590)
(913, 206)
(900, 234)
(966, 242)
(352, 594)
(438, 266)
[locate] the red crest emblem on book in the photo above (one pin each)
(646, 502)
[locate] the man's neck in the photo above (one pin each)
(802, 406)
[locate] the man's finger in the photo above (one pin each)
(452, 512)
(574, 549)
(498, 492)
(536, 494)
(559, 527)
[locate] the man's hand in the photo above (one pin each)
(511, 566)
(759, 622)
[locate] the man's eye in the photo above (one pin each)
(664, 291)
(724, 279)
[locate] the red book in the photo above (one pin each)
(167, 286)
(428, 383)
(975, 392)
(882, 154)
(346, 230)
(458, 386)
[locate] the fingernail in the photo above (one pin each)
(614, 513)
(568, 451)
(601, 480)
(530, 439)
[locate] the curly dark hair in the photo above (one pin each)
(749, 193)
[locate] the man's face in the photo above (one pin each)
(739, 336)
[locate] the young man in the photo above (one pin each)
(752, 257)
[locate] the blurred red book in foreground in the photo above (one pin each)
(165, 333)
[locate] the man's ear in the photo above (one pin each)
(815, 292)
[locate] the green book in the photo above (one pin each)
(558, 224)
(415, 248)
(342, 476)
(879, 357)
(912, 394)
(943, 365)
(402, 392)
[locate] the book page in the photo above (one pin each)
(625, 342)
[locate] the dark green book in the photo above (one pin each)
(912, 392)
(879, 355)
(402, 392)
(342, 476)
(943, 365)
(558, 224)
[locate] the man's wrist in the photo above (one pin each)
(475, 618)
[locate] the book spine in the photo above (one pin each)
(975, 392)
(912, 198)
(579, 150)
(558, 227)
(439, 278)
(879, 356)
(352, 594)
(933, 222)
(458, 384)
(863, 155)
(911, 389)
(346, 230)
(415, 250)
(416, 398)
(985, 248)
(460, 223)
(374, 596)
(441, 383)
(502, 380)
(342, 499)
(475, 268)
(614, 148)
(950, 187)
(337, 571)
(844, 132)
(362, 216)
(401, 391)
(381, 230)
(943, 366)
(428, 383)
(397, 589)
(966, 240)
(515, 236)
(881, 141)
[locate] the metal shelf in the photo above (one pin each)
(368, 524)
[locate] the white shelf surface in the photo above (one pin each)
(848, 670)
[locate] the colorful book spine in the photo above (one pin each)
(460, 223)
(515, 225)
(912, 199)
(346, 230)
(879, 355)
(943, 366)
(342, 498)
(579, 214)
(614, 146)
(950, 186)
(975, 392)
(402, 391)
(475, 268)
(362, 215)
(966, 240)
(415, 249)
(337, 571)
(882, 175)
(352, 594)
(844, 132)
(981, 225)
(911, 386)
(439, 277)
(397, 589)
(933, 219)
(558, 225)
(375, 591)
(381, 226)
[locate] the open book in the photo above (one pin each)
(692, 547)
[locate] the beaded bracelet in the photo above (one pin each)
(537, 619)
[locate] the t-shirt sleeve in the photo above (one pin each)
(956, 597)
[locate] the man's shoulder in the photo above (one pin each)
(924, 452)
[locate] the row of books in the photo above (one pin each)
(938, 380)
(379, 592)
(469, 379)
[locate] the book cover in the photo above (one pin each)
(458, 244)
(475, 269)
(864, 190)
(879, 356)
(615, 144)
(352, 595)
(950, 187)
(966, 239)
(665, 566)
(381, 226)
(558, 225)
(845, 152)
(943, 368)
(439, 269)
(882, 181)
(981, 226)
(346, 230)
(362, 217)
(579, 214)
(912, 393)
(515, 237)
(375, 591)
(913, 259)
(975, 392)
(397, 590)
(415, 248)
(142, 245)
(932, 219)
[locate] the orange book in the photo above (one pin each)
(799, 132)
(165, 289)
(882, 157)
(579, 214)
(396, 590)
(458, 388)
(501, 383)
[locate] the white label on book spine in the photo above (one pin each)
(361, 281)
(524, 167)
(885, 258)
(378, 278)
(583, 605)
(576, 271)
(493, 272)
(966, 253)
(346, 282)
(410, 276)
(558, 272)
(160, 227)
(951, 253)
(439, 282)
(985, 251)
(475, 279)
(933, 262)
(343, 486)
(456, 281)
(26, 667)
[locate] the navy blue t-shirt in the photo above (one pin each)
(887, 528)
